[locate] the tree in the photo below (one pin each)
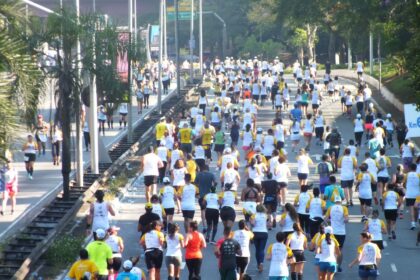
(20, 78)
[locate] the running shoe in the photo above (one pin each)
(364, 219)
(401, 215)
(394, 236)
(339, 269)
(213, 242)
(413, 226)
(260, 267)
(351, 202)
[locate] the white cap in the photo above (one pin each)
(337, 198)
(370, 105)
(127, 264)
(358, 116)
(228, 151)
(328, 230)
(388, 115)
(259, 129)
(166, 180)
(100, 233)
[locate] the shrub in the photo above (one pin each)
(64, 250)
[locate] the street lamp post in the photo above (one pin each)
(370, 53)
(161, 20)
(201, 35)
(224, 32)
(178, 77)
(129, 78)
(192, 43)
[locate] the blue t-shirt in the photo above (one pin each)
(296, 114)
(329, 190)
(127, 276)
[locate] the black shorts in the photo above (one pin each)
(302, 176)
(400, 191)
(150, 180)
(123, 114)
(154, 258)
(207, 152)
(315, 106)
(374, 187)
(409, 201)
(294, 75)
(242, 264)
(299, 79)
(299, 256)
(188, 214)
(270, 202)
(186, 147)
(330, 92)
(304, 104)
(116, 264)
(380, 243)
(343, 100)
(30, 157)
(391, 214)
(349, 106)
(200, 162)
(282, 185)
(169, 211)
(227, 214)
(364, 201)
(383, 180)
(347, 183)
(219, 148)
(280, 145)
(201, 203)
(255, 97)
(340, 239)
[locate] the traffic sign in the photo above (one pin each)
(181, 16)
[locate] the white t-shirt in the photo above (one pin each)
(303, 164)
(188, 193)
(347, 169)
(168, 197)
(243, 237)
(151, 162)
(413, 186)
(278, 264)
(282, 173)
(174, 245)
(260, 220)
(337, 219)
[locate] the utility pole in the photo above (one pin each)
(135, 24)
(370, 53)
(192, 43)
(178, 77)
(129, 78)
(161, 20)
(380, 63)
(201, 35)
(79, 140)
(165, 37)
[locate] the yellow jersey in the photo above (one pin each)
(185, 135)
(160, 130)
(207, 135)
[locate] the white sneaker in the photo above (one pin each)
(413, 226)
(30, 177)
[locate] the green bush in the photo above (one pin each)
(64, 250)
(114, 184)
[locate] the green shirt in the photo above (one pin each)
(219, 138)
(99, 253)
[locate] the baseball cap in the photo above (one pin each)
(358, 116)
(166, 180)
(100, 233)
(148, 205)
(259, 129)
(337, 198)
(228, 150)
(114, 229)
(388, 115)
(328, 230)
(127, 264)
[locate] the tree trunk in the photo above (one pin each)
(310, 42)
(331, 46)
(301, 55)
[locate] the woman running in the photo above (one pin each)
(41, 132)
(56, 139)
(376, 227)
(368, 257)
(10, 187)
(295, 134)
(398, 180)
(259, 227)
(316, 208)
(212, 214)
(30, 149)
(194, 244)
(298, 243)
(308, 130)
(243, 235)
(358, 130)
(248, 137)
(173, 257)
(227, 200)
(319, 124)
(254, 172)
(280, 256)
(117, 245)
(168, 197)
(328, 251)
(288, 218)
(178, 177)
(152, 242)
(250, 197)
(282, 174)
(313, 246)
(101, 119)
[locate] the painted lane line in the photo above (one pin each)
(394, 268)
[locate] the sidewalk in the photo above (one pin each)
(32, 195)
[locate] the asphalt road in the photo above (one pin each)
(399, 256)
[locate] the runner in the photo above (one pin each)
(250, 196)
(376, 227)
(83, 267)
(304, 161)
(280, 256)
(98, 216)
(364, 183)
(282, 174)
(10, 183)
(315, 207)
(41, 134)
(205, 180)
(117, 246)
(324, 169)
(227, 200)
(150, 164)
(298, 244)
(259, 222)
(398, 179)
(152, 243)
(301, 200)
(187, 195)
(412, 186)
(288, 218)
(328, 250)
(30, 149)
(173, 256)
(100, 253)
(211, 202)
(368, 257)
(243, 235)
(271, 191)
(348, 164)
(384, 162)
(226, 251)
(308, 130)
(194, 244)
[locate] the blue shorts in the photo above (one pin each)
(278, 277)
(367, 273)
(316, 261)
(328, 267)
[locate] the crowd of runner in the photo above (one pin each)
(178, 180)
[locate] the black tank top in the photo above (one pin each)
(247, 194)
(399, 178)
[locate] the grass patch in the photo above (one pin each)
(63, 251)
(402, 87)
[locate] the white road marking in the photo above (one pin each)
(394, 268)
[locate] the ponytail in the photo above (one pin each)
(328, 238)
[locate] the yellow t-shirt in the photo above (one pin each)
(207, 133)
(160, 130)
(192, 169)
(99, 253)
(185, 135)
(78, 269)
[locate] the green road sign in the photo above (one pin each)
(181, 16)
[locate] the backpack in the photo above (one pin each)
(323, 169)
(334, 139)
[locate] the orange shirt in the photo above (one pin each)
(193, 248)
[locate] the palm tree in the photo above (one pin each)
(20, 78)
